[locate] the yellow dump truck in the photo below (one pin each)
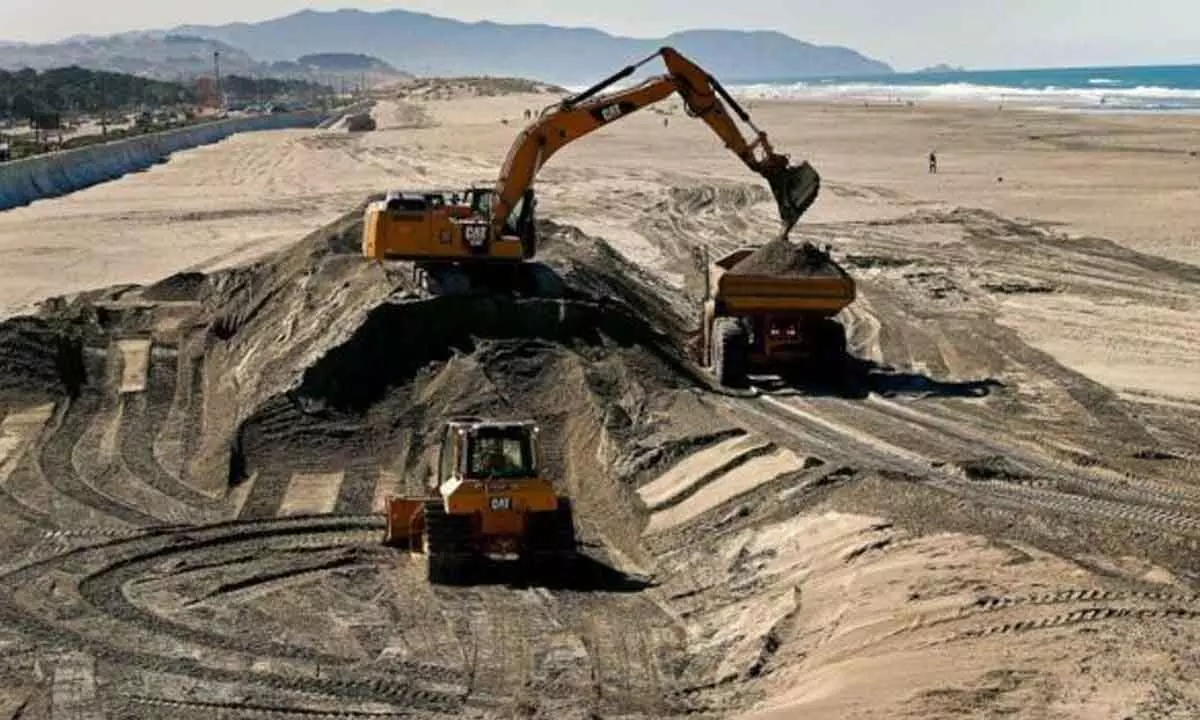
(769, 309)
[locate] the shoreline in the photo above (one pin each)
(947, 104)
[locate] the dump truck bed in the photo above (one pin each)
(823, 294)
(823, 288)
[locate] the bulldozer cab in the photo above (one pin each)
(489, 501)
(474, 450)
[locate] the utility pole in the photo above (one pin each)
(217, 73)
(103, 107)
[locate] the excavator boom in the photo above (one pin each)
(484, 236)
(794, 187)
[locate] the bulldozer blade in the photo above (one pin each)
(405, 523)
(795, 188)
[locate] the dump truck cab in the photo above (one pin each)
(487, 497)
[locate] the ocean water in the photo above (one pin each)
(1163, 88)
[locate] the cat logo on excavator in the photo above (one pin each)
(486, 498)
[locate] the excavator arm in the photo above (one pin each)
(794, 187)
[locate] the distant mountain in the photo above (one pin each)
(179, 55)
(344, 62)
(429, 45)
(152, 54)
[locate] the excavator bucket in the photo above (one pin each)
(795, 188)
(405, 523)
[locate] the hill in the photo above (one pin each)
(151, 54)
(429, 45)
(344, 62)
(178, 56)
(77, 89)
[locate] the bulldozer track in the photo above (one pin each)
(1062, 597)
(1077, 617)
(212, 709)
(1097, 507)
(857, 446)
(1119, 483)
(141, 417)
(615, 664)
(108, 624)
(1118, 606)
(496, 659)
(56, 453)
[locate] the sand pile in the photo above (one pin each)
(361, 122)
(39, 359)
(313, 360)
(292, 395)
(782, 257)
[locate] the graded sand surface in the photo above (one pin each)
(1128, 179)
(1002, 523)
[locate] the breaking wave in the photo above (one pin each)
(1100, 94)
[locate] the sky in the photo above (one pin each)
(908, 34)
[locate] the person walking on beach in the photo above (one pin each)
(932, 162)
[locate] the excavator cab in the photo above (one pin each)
(487, 498)
(439, 227)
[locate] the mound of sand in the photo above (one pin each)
(361, 122)
(782, 257)
(312, 360)
(994, 468)
(39, 359)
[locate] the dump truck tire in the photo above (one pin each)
(833, 338)
(729, 353)
(447, 545)
(834, 364)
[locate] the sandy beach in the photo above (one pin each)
(1126, 179)
(1005, 527)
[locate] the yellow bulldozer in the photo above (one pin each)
(486, 499)
(461, 239)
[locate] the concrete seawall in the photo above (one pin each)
(54, 174)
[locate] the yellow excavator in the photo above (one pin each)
(460, 239)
